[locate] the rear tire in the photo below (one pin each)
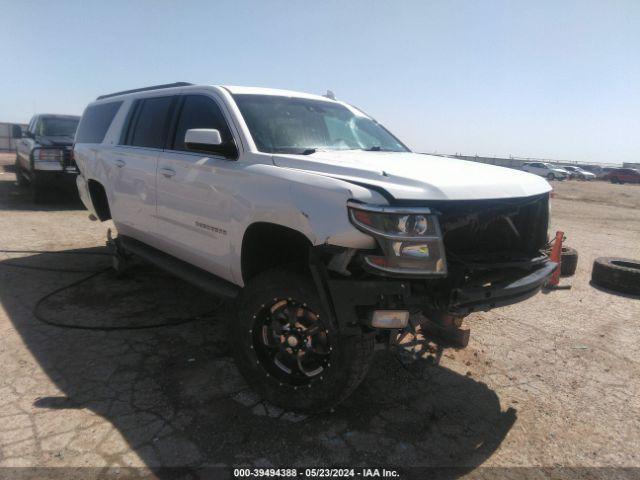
(282, 326)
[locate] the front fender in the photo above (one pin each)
(312, 204)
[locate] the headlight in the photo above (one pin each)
(409, 237)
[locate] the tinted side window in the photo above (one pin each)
(199, 111)
(95, 122)
(150, 126)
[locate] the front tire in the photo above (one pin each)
(551, 176)
(287, 349)
(38, 191)
(21, 180)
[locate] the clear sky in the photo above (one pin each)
(554, 79)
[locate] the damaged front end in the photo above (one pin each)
(438, 263)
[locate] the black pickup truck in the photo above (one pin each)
(44, 153)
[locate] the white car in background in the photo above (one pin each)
(579, 173)
(550, 172)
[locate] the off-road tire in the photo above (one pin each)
(568, 261)
(21, 180)
(349, 360)
(618, 274)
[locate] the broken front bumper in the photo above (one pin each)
(500, 294)
(351, 300)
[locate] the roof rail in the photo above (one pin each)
(153, 87)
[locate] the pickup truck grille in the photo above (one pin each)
(494, 227)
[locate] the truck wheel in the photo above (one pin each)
(287, 349)
(568, 261)
(21, 180)
(38, 191)
(619, 274)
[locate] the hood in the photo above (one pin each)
(413, 176)
(57, 141)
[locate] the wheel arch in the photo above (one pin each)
(99, 199)
(267, 245)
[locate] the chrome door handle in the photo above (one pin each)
(167, 172)
(120, 163)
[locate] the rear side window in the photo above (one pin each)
(148, 126)
(199, 111)
(95, 122)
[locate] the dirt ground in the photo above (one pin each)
(551, 382)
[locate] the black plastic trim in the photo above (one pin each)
(196, 276)
(467, 300)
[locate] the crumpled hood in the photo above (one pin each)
(57, 141)
(413, 176)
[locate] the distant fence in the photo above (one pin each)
(7, 142)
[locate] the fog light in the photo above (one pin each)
(390, 318)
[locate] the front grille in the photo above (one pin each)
(494, 227)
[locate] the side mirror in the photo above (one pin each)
(209, 140)
(16, 131)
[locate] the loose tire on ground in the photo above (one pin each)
(346, 364)
(619, 274)
(568, 261)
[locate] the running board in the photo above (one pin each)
(187, 272)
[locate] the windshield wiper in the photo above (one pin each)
(375, 148)
(309, 151)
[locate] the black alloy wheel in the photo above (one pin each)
(290, 342)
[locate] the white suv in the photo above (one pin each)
(546, 170)
(328, 230)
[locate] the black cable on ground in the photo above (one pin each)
(94, 273)
(9, 263)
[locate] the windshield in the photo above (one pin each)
(298, 125)
(58, 127)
